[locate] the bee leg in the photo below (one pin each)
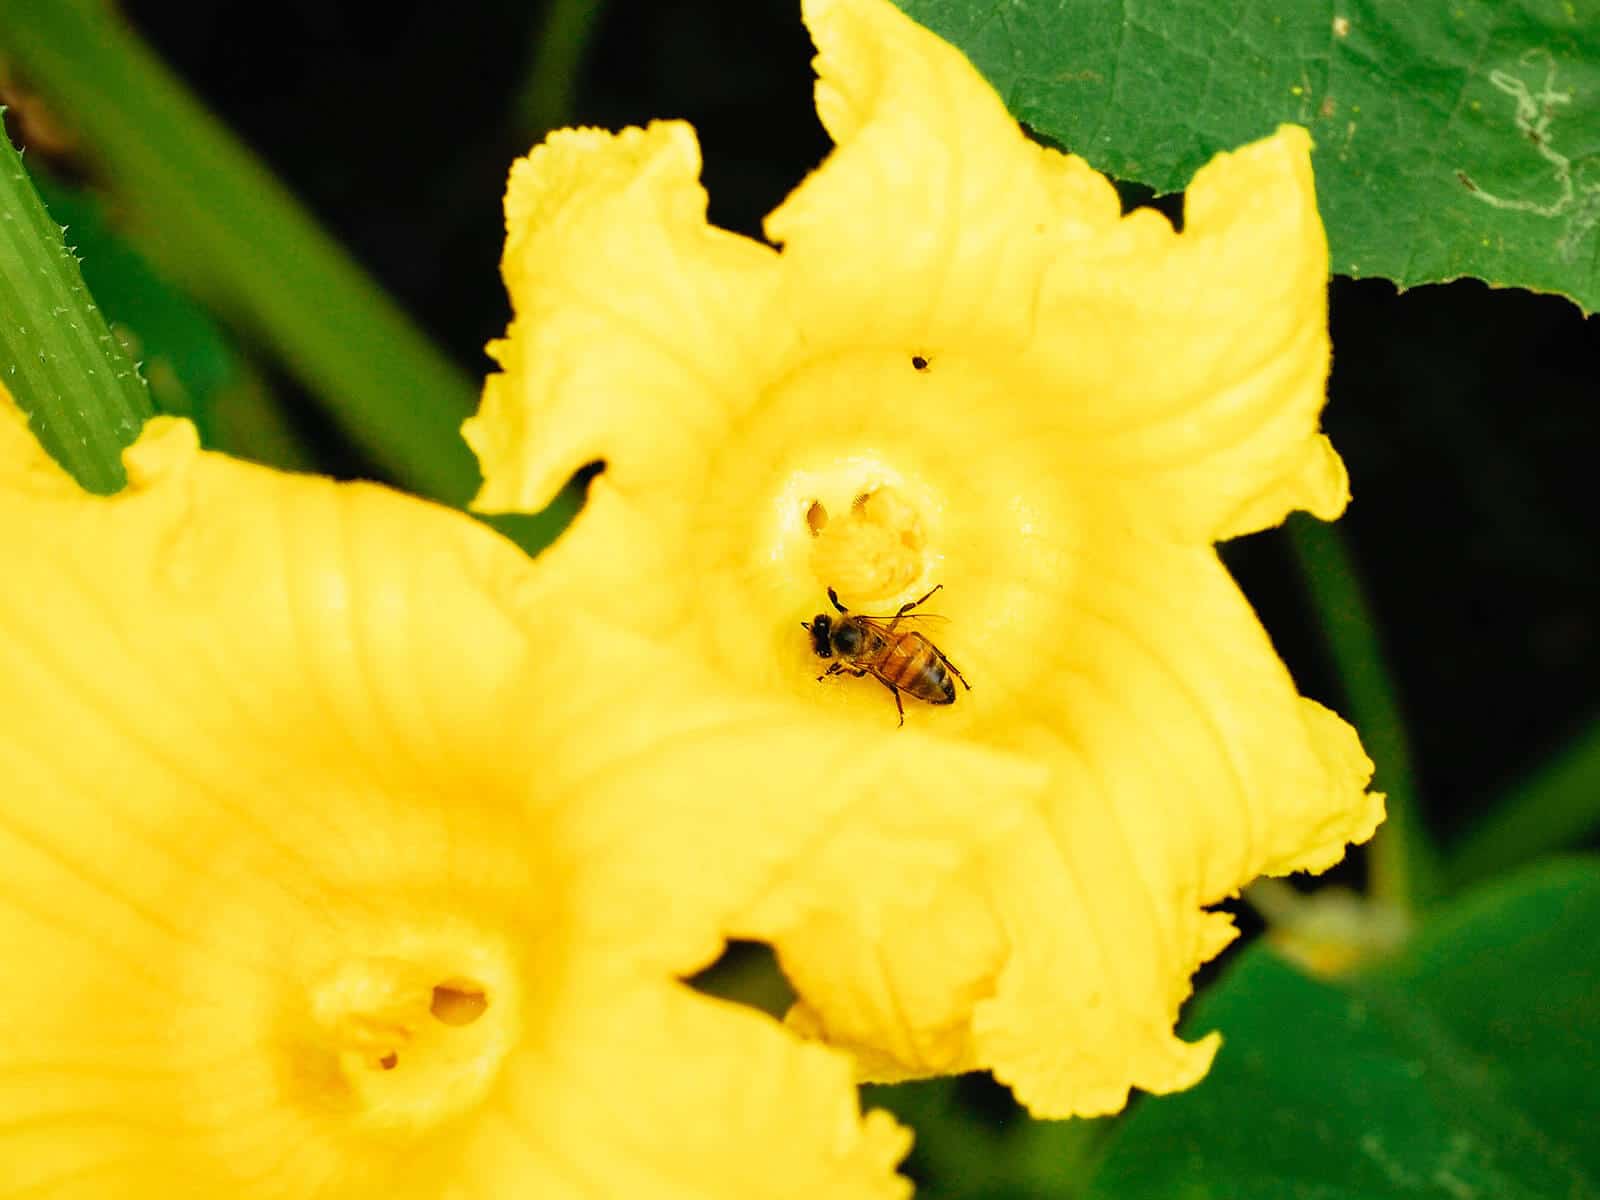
(898, 707)
(910, 604)
(833, 669)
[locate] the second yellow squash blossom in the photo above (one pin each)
(337, 861)
(959, 363)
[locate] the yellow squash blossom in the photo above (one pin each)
(960, 364)
(335, 862)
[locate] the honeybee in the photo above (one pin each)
(900, 659)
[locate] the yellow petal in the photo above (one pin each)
(723, 1122)
(655, 369)
(783, 815)
(24, 465)
(1172, 692)
(1184, 766)
(1052, 962)
(1189, 369)
(289, 905)
(927, 228)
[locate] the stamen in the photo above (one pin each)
(876, 550)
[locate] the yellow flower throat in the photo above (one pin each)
(414, 1043)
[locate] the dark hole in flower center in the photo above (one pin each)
(458, 1001)
(816, 518)
(919, 362)
(389, 1061)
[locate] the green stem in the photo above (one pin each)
(83, 396)
(1058, 1158)
(546, 99)
(1555, 806)
(1402, 861)
(221, 221)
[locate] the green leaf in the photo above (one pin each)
(1464, 1068)
(1454, 137)
(84, 399)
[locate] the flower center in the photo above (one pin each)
(881, 473)
(414, 1043)
(874, 549)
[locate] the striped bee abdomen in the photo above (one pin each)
(913, 664)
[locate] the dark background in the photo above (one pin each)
(1467, 416)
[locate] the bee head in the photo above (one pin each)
(820, 627)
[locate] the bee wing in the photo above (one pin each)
(906, 619)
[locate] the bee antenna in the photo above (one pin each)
(834, 596)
